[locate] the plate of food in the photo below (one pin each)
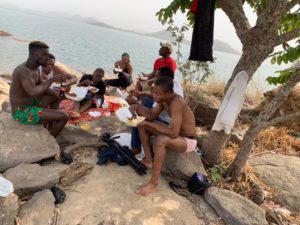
(92, 89)
(77, 93)
(134, 121)
(124, 115)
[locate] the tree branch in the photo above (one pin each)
(273, 105)
(280, 119)
(287, 37)
(291, 4)
(235, 12)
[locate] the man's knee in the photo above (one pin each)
(162, 140)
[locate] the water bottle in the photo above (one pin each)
(6, 187)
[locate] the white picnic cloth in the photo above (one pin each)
(232, 103)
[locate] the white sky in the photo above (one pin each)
(138, 15)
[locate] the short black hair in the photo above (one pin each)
(166, 83)
(51, 56)
(166, 72)
(99, 70)
(125, 54)
(36, 45)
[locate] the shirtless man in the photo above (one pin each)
(30, 97)
(179, 136)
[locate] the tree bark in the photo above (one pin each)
(212, 147)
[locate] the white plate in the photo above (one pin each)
(92, 89)
(79, 91)
(118, 70)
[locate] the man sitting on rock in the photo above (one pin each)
(179, 136)
(30, 97)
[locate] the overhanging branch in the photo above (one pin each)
(235, 12)
(280, 119)
(287, 37)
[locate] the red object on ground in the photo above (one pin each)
(113, 106)
(194, 6)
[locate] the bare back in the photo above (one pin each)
(17, 93)
(181, 116)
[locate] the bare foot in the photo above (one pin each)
(146, 189)
(147, 164)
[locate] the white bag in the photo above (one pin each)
(6, 187)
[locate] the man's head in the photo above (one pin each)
(165, 72)
(98, 75)
(165, 49)
(163, 89)
(125, 58)
(50, 63)
(39, 52)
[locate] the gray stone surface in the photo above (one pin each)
(233, 208)
(23, 143)
(39, 210)
(282, 173)
(183, 165)
(9, 208)
(30, 178)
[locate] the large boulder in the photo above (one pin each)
(23, 143)
(282, 173)
(183, 165)
(30, 178)
(38, 210)
(9, 208)
(74, 134)
(106, 196)
(234, 208)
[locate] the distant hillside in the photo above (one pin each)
(218, 45)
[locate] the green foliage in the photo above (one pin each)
(283, 77)
(216, 172)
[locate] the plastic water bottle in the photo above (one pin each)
(6, 187)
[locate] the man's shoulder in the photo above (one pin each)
(21, 69)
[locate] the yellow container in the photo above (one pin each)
(85, 127)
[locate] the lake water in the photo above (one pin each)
(85, 47)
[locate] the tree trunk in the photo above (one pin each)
(215, 142)
(236, 167)
(213, 146)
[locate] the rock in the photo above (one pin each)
(282, 173)
(30, 178)
(9, 208)
(201, 133)
(4, 91)
(75, 134)
(106, 196)
(23, 143)
(39, 210)
(4, 34)
(206, 109)
(183, 165)
(233, 208)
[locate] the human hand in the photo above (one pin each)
(133, 109)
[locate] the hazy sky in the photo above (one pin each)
(138, 15)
